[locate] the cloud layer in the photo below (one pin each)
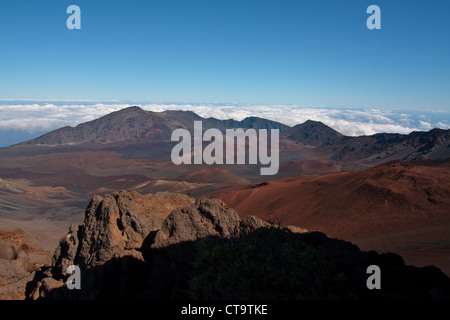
(46, 116)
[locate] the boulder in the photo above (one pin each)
(20, 256)
(208, 217)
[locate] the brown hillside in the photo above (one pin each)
(401, 207)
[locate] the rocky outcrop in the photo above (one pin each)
(206, 218)
(171, 246)
(124, 229)
(115, 225)
(20, 257)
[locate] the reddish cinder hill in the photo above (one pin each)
(397, 207)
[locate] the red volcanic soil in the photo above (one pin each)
(397, 207)
(213, 175)
(309, 167)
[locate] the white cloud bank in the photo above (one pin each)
(46, 116)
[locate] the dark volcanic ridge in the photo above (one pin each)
(136, 126)
(172, 246)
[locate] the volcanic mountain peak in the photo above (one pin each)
(313, 123)
(261, 123)
(185, 117)
(129, 110)
(134, 124)
(314, 133)
(126, 124)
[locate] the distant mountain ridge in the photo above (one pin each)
(136, 124)
(433, 144)
(314, 133)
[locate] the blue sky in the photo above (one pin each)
(288, 60)
(313, 53)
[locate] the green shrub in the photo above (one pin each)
(268, 263)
